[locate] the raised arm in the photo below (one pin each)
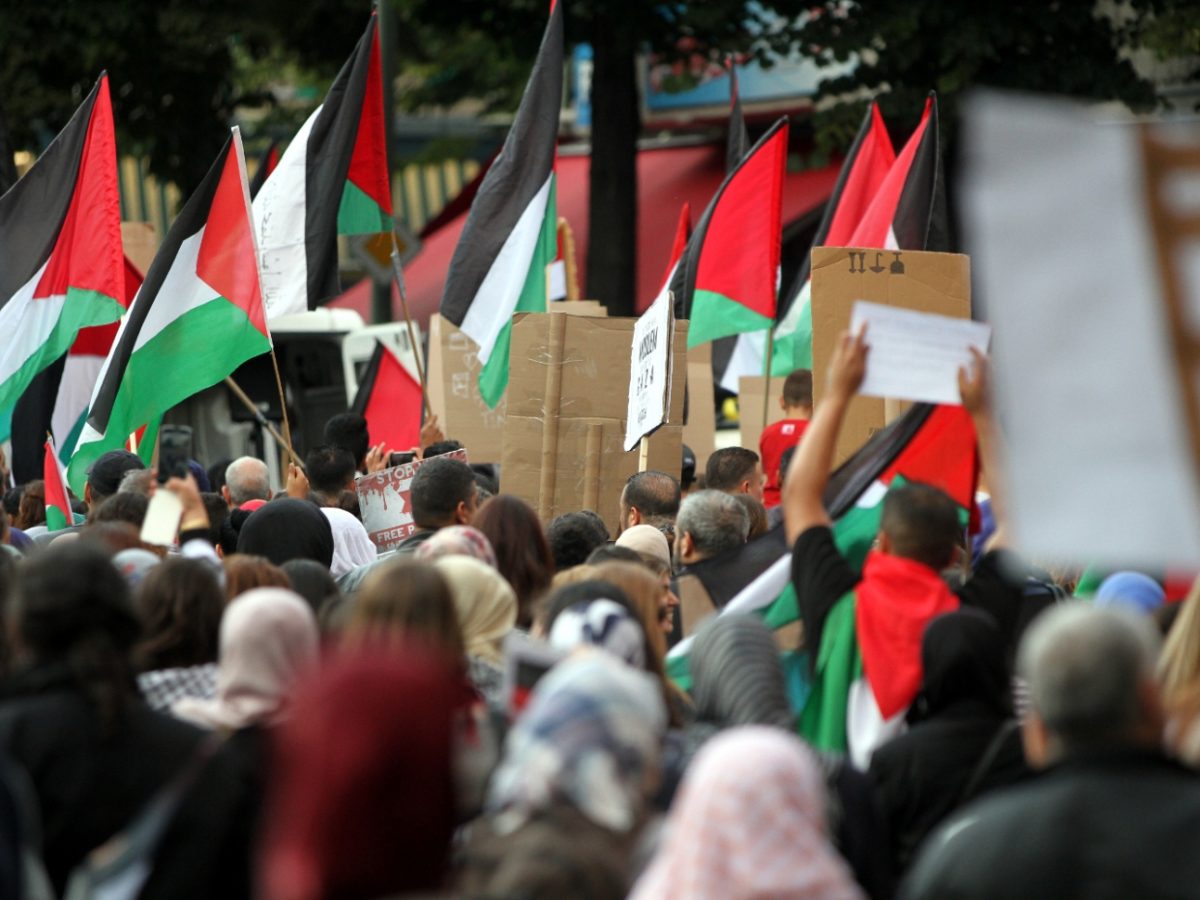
(808, 473)
(975, 388)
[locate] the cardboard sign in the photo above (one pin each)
(649, 371)
(750, 407)
(568, 396)
(700, 421)
(385, 501)
(453, 382)
(907, 279)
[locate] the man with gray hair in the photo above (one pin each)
(1109, 815)
(709, 523)
(246, 479)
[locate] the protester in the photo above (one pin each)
(749, 821)
(756, 513)
(32, 511)
(287, 529)
(406, 601)
(105, 474)
(649, 498)
(348, 431)
(352, 546)
(573, 536)
(313, 582)
(244, 572)
(797, 405)
(734, 470)
(710, 522)
(1105, 816)
(648, 541)
(458, 540)
(123, 506)
(246, 479)
(566, 806)
(523, 555)
(962, 740)
(443, 494)
(1132, 590)
(362, 790)
(180, 603)
(607, 622)
(330, 470)
(486, 606)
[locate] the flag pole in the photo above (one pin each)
(398, 275)
(287, 428)
(262, 420)
(767, 385)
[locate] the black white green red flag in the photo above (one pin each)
(58, 501)
(333, 180)
(389, 398)
(197, 317)
(61, 261)
(499, 265)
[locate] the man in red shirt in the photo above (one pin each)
(797, 410)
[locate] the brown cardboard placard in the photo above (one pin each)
(562, 443)
(453, 383)
(700, 429)
(750, 407)
(910, 279)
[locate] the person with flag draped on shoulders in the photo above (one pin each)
(863, 630)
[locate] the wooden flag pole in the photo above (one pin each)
(398, 274)
(287, 428)
(569, 260)
(262, 420)
(767, 384)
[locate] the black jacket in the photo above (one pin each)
(1114, 823)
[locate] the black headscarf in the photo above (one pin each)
(288, 529)
(963, 657)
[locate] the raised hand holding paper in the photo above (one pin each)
(914, 355)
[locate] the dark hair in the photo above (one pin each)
(406, 599)
(124, 506)
(613, 553)
(652, 493)
(12, 500)
(349, 432)
(437, 489)
(757, 513)
(485, 477)
(216, 474)
(440, 448)
(797, 388)
(244, 571)
(32, 510)
(573, 536)
(112, 537)
(785, 460)
(313, 582)
(8, 582)
(73, 612)
(729, 467)
(922, 524)
(218, 512)
(523, 555)
(180, 602)
(329, 469)
(347, 501)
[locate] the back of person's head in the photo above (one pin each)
(136, 481)
(963, 659)
(1135, 591)
(72, 608)
(798, 389)
(736, 675)
(573, 536)
(247, 479)
(729, 467)
(123, 506)
(523, 554)
(687, 469)
(12, 500)
(716, 522)
(361, 799)
(287, 529)
(921, 523)
(313, 582)
(651, 493)
(32, 508)
(645, 592)
(442, 490)
(486, 604)
(216, 474)
(612, 553)
(330, 469)
(440, 448)
(218, 514)
(180, 602)
(405, 601)
(609, 621)
(112, 537)
(349, 431)
(244, 572)
(756, 513)
(458, 540)
(1090, 670)
(105, 474)
(649, 543)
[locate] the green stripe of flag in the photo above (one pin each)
(716, 316)
(359, 214)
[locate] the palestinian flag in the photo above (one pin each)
(389, 398)
(929, 444)
(57, 399)
(267, 163)
(499, 265)
(332, 180)
(198, 316)
(737, 142)
(727, 280)
(61, 263)
(683, 232)
(58, 502)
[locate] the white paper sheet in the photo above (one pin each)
(915, 355)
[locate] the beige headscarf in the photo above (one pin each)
(647, 540)
(486, 604)
(268, 638)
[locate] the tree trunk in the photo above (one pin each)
(612, 210)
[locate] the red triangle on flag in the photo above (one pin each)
(389, 398)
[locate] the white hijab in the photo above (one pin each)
(352, 546)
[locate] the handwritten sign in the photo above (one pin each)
(915, 355)
(385, 501)
(649, 371)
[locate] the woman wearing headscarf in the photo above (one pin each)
(362, 794)
(352, 546)
(566, 805)
(487, 611)
(244, 572)
(287, 529)
(737, 680)
(749, 822)
(962, 739)
(458, 540)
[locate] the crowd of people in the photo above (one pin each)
(269, 707)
